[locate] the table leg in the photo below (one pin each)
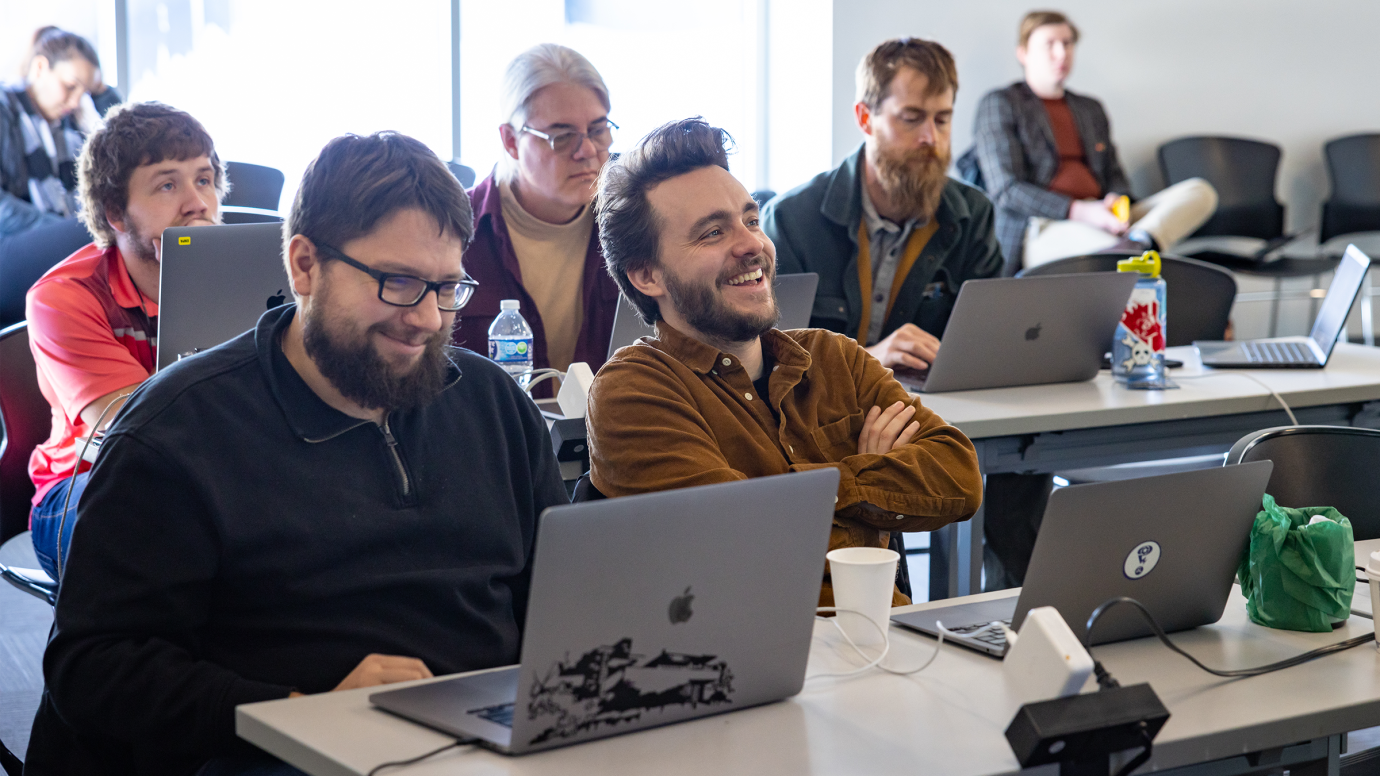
(965, 555)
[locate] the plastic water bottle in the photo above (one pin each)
(1138, 348)
(510, 342)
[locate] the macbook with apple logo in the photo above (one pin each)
(650, 610)
(215, 282)
(1026, 331)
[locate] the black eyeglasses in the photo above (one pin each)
(566, 142)
(408, 291)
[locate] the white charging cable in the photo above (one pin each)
(1292, 420)
(886, 644)
(540, 375)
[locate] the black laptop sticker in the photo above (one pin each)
(610, 685)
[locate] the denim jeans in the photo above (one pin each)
(46, 520)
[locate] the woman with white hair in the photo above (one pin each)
(534, 236)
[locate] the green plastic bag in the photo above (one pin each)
(1297, 576)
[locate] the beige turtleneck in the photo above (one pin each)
(551, 258)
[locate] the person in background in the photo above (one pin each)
(336, 499)
(41, 133)
(534, 237)
(1046, 158)
(93, 318)
(720, 394)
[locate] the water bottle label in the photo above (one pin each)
(510, 350)
(1143, 325)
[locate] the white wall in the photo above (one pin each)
(1296, 74)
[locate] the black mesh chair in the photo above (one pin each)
(1353, 167)
(585, 491)
(27, 421)
(1200, 295)
(1320, 466)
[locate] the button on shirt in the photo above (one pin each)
(888, 239)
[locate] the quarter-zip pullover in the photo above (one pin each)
(241, 539)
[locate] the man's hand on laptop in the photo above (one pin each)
(885, 430)
(909, 346)
(377, 669)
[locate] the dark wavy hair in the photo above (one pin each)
(58, 45)
(629, 229)
(135, 134)
(357, 181)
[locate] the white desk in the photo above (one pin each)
(1047, 428)
(948, 719)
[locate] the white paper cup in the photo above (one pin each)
(1373, 574)
(863, 579)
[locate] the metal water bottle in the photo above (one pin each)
(1138, 348)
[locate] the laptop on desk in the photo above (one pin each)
(795, 297)
(1172, 542)
(1026, 331)
(1311, 352)
(214, 284)
(648, 610)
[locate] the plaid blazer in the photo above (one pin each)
(1018, 158)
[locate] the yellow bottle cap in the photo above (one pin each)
(1122, 209)
(1147, 263)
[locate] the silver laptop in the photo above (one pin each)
(215, 283)
(1309, 352)
(649, 610)
(1172, 542)
(795, 297)
(1026, 331)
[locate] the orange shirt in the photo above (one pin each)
(91, 332)
(1073, 178)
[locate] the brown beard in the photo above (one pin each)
(913, 180)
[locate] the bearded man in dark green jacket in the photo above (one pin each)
(893, 238)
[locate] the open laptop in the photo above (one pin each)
(1026, 331)
(1172, 542)
(1309, 352)
(648, 610)
(795, 297)
(215, 283)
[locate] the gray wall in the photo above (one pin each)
(1296, 74)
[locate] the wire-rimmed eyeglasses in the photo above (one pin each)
(567, 141)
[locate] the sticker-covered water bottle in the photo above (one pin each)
(1138, 349)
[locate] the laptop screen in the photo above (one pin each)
(1340, 296)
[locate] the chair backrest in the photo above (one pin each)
(1199, 295)
(253, 185)
(24, 257)
(1353, 166)
(462, 173)
(27, 422)
(1243, 173)
(1321, 466)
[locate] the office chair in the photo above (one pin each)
(1243, 172)
(27, 421)
(762, 196)
(24, 257)
(462, 173)
(585, 491)
(1200, 295)
(253, 185)
(1353, 167)
(1319, 466)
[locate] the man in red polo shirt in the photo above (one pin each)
(93, 319)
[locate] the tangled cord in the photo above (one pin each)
(886, 644)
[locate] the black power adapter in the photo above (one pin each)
(1083, 731)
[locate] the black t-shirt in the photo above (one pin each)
(760, 385)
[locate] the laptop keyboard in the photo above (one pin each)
(500, 714)
(1278, 353)
(993, 636)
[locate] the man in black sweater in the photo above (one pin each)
(333, 500)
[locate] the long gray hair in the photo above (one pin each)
(537, 68)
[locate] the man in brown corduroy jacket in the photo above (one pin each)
(720, 394)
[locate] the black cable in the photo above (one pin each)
(399, 763)
(1232, 673)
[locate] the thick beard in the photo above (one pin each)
(357, 370)
(705, 310)
(914, 180)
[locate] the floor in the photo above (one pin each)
(24, 625)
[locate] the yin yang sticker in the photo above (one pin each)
(1142, 560)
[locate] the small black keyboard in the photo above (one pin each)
(1278, 353)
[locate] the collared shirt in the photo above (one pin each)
(887, 240)
(673, 412)
(92, 332)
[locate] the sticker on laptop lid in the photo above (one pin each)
(1142, 560)
(184, 240)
